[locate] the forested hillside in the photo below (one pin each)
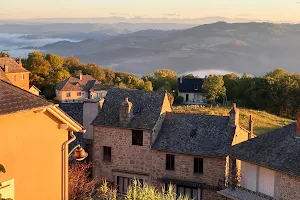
(277, 92)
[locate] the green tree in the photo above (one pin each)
(4, 54)
(214, 86)
(148, 86)
(166, 80)
(55, 61)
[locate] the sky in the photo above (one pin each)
(275, 10)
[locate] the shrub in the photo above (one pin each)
(178, 100)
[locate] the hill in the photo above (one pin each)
(253, 47)
(263, 121)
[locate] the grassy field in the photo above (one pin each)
(263, 122)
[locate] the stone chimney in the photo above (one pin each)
(250, 127)
(80, 75)
(19, 61)
(234, 116)
(298, 125)
(125, 112)
(180, 79)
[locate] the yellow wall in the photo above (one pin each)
(62, 96)
(31, 153)
(24, 84)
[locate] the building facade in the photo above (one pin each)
(269, 166)
(136, 136)
(15, 72)
(32, 133)
(79, 88)
(190, 89)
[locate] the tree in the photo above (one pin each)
(214, 86)
(165, 79)
(148, 86)
(54, 60)
(80, 185)
(4, 54)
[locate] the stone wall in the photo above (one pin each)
(287, 187)
(125, 156)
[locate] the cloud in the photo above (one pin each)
(120, 14)
(172, 14)
(243, 15)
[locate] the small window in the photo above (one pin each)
(198, 165)
(107, 154)
(68, 94)
(23, 76)
(137, 137)
(124, 182)
(196, 87)
(170, 162)
(15, 77)
(79, 94)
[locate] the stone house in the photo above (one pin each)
(190, 89)
(136, 135)
(270, 166)
(34, 134)
(79, 88)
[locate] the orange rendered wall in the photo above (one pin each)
(24, 84)
(30, 150)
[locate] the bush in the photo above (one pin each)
(178, 100)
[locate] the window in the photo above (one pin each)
(137, 137)
(15, 77)
(23, 76)
(198, 165)
(68, 94)
(107, 154)
(192, 193)
(196, 87)
(124, 182)
(170, 162)
(79, 94)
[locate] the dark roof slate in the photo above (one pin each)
(73, 83)
(74, 110)
(195, 134)
(14, 99)
(278, 150)
(13, 66)
(147, 107)
(190, 85)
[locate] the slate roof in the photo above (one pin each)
(243, 194)
(278, 150)
(194, 134)
(13, 66)
(74, 110)
(14, 99)
(73, 83)
(190, 85)
(147, 107)
(3, 76)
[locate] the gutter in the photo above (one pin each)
(65, 166)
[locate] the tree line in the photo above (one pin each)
(277, 92)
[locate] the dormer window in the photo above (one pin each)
(196, 87)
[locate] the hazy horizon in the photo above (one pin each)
(267, 10)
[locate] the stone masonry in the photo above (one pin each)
(287, 187)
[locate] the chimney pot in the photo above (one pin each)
(126, 99)
(298, 125)
(250, 127)
(234, 116)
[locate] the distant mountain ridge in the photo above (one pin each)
(253, 47)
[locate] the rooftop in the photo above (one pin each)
(190, 85)
(147, 107)
(74, 83)
(74, 110)
(277, 150)
(12, 65)
(3, 76)
(195, 134)
(14, 99)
